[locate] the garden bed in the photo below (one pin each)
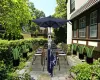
(86, 71)
(7, 70)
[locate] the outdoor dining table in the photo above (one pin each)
(57, 51)
(42, 52)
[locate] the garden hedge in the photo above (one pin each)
(5, 46)
(6, 57)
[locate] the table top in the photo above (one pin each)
(58, 50)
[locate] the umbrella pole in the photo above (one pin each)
(50, 30)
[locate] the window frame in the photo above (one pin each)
(75, 28)
(71, 3)
(84, 27)
(94, 24)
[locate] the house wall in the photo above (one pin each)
(87, 40)
(78, 4)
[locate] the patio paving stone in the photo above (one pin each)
(63, 74)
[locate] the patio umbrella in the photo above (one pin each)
(50, 22)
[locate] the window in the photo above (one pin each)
(72, 5)
(82, 25)
(75, 29)
(93, 24)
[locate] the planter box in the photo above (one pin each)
(25, 55)
(16, 62)
(89, 60)
(74, 52)
(81, 56)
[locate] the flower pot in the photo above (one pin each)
(89, 60)
(16, 62)
(25, 55)
(84, 53)
(81, 56)
(74, 52)
(30, 49)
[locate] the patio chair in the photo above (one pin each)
(63, 53)
(35, 46)
(45, 46)
(53, 46)
(40, 53)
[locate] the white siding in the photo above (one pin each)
(79, 3)
(69, 26)
(90, 43)
(69, 34)
(74, 41)
(82, 42)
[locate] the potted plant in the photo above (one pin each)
(81, 50)
(16, 56)
(25, 50)
(84, 52)
(89, 57)
(74, 47)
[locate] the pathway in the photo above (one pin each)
(36, 70)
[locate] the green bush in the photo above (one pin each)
(12, 36)
(6, 46)
(30, 45)
(42, 42)
(86, 71)
(69, 47)
(3, 71)
(60, 35)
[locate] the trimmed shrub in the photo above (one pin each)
(6, 46)
(86, 71)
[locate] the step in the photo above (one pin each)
(74, 60)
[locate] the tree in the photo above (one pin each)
(61, 12)
(61, 9)
(13, 13)
(35, 14)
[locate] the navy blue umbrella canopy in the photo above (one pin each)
(50, 22)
